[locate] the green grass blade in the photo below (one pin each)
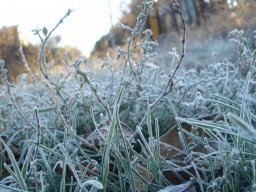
(71, 165)
(63, 179)
(244, 105)
(47, 149)
(10, 171)
(19, 178)
(180, 129)
(242, 124)
(25, 165)
(149, 123)
(96, 185)
(202, 124)
(105, 163)
(224, 104)
(10, 188)
(45, 110)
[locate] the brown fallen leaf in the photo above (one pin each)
(58, 169)
(5, 158)
(145, 173)
(170, 142)
(14, 147)
(178, 176)
(171, 147)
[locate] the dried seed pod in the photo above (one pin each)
(45, 31)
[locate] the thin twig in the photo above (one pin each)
(41, 58)
(24, 60)
(38, 134)
(136, 32)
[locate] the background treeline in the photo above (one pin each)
(10, 43)
(212, 17)
(205, 18)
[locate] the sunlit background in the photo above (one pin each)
(89, 21)
(92, 30)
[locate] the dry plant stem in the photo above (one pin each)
(41, 57)
(123, 72)
(135, 35)
(24, 60)
(38, 134)
(133, 39)
(129, 56)
(42, 63)
(169, 84)
(99, 99)
(183, 41)
(58, 111)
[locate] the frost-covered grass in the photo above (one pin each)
(83, 131)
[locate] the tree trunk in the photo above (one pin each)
(200, 9)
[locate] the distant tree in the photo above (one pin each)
(216, 16)
(9, 51)
(9, 46)
(9, 36)
(200, 9)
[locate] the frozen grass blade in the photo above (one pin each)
(95, 185)
(180, 133)
(43, 184)
(146, 146)
(71, 165)
(202, 124)
(225, 104)
(63, 179)
(127, 147)
(25, 165)
(112, 127)
(227, 100)
(253, 188)
(242, 124)
(244, 105)
(11, 188)
(199, 179)
(74, 121)
(10, 171)
(46, 110)
(157, 144)
(47, 165)
(17, 175)
(149, 123)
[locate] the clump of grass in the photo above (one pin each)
(79, 132)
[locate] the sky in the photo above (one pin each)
(89, 21)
